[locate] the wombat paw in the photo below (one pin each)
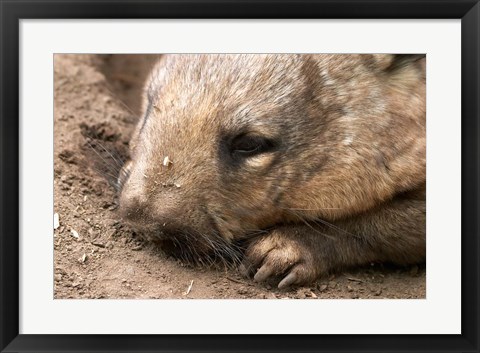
(279, 257)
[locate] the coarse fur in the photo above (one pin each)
(315, 162)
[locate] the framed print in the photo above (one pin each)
(235, 176)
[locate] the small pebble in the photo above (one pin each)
(323, 287)
(242, 290)
(100, 245)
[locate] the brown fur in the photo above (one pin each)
(343, 186)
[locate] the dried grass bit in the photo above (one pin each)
(74, 233)
(189, 288)
(167, 161)
(84, 257)
(56, 221)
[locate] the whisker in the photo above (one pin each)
(326, 223)
(306, 222)
(331, 225)
(119, 100)
(112, 168)
(119, 162)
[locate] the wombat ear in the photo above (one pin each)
(392, 62)
(407, 71)
(402, 60)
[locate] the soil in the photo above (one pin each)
(97, 102)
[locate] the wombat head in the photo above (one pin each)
(230, 145)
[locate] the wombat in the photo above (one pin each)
(312, 163)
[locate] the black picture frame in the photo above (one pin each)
(12, 11)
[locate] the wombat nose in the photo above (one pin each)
(165, 222)
(133, 208)
(148, 211)
(133, 204)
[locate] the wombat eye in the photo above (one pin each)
(250, 145)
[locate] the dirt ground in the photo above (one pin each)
(97, 102)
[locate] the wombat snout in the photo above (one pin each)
(161, 216)
(139, 210)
